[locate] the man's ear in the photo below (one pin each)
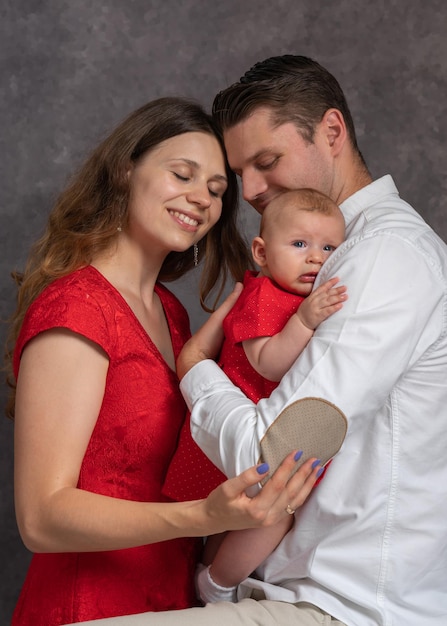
(334, 128)
(258, 251)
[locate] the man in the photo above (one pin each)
(369, 547)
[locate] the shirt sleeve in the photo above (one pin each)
(353, 360)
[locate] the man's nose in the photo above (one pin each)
(253, 185)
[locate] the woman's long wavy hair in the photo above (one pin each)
(85, 219)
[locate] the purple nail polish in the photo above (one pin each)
(263, 468)
(320, 471)
(298, 455)
(315, 463)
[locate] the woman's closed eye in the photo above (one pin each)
(182, 177)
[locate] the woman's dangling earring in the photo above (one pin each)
(119, 228)
(196, 254)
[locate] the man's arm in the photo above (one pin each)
(353, 360)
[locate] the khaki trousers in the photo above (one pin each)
(247, 612)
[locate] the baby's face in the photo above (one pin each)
(296, 246)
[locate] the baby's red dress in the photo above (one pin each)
(128, 455)
(262, 310)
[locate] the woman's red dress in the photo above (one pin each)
(128, 455)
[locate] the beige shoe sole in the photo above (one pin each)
(312, 425)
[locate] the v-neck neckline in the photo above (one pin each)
(141, 328)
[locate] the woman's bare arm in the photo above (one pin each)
(59, 394)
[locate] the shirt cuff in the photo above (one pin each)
(199, 379)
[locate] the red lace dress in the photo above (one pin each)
(128, 455)
(262, 310)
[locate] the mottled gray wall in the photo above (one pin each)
(70, 69)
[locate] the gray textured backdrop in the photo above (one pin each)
(71, 69)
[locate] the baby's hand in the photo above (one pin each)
(321, 303)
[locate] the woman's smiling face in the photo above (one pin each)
(176, 192)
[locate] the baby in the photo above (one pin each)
(265, 332)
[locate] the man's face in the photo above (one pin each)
(272, 159)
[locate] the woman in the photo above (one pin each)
(97, 406)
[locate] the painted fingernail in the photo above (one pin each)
(320, 471)
(315, 463)
(263, 468)
(298, 455)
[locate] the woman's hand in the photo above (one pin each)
(206, 342)
(285, 491)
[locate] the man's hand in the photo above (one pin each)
(206, 342)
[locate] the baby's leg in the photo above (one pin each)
(238, 555)
(242, 551)
(212, 545)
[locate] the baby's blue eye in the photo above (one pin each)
(298, 244)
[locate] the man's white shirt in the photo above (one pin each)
(370, 544)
